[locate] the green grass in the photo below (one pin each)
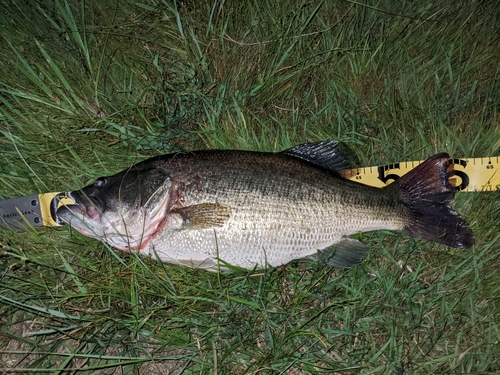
(89, 88)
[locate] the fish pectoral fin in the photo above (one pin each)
(348, 253)
(204, 215)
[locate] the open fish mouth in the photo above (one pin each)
(128, 232)
(77, 216)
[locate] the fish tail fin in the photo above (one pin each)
(426, 191)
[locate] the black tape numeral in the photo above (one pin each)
(463, 176)
(381, 172)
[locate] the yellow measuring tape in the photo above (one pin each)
(49, 203)
(477, 174)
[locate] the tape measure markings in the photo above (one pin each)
(476, 174)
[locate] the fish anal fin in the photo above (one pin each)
(348, 253)
(204, 215)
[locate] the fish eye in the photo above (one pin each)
(100, 182)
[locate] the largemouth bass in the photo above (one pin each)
(216, 209)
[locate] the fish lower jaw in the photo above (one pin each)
(126, 244)
(137, 235)
(131, 242)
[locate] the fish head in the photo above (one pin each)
(125, 210)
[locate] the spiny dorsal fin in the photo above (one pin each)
(332, 155)
(204, 215)
(348, 253)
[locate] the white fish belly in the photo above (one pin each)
(260, 235)
(203, 248)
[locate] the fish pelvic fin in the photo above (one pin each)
(348, 253)
(426, 191)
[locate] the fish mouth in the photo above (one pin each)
(76, 216)
(89, 206)
(125, 233)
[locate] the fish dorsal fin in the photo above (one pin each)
(332, 155)
(348, 253)
(203, 215)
